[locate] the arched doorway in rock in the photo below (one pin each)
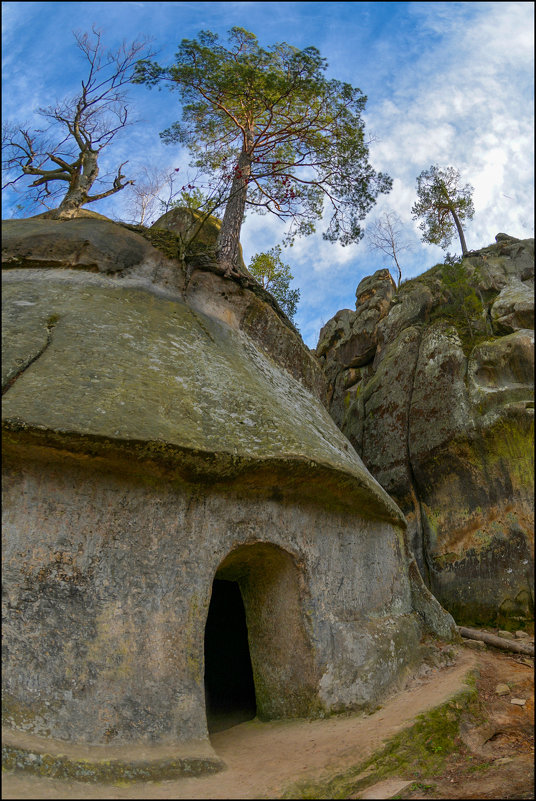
(229, 687)
(258, 653)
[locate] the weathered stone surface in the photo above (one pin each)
(501, 371)
(350, 339)
(411, 306)
(89, 243)
(385, 414)
(245, 311)
(119, 601)
(337, 329)
(190, 225)
(444, 420)
(80, 243)
(155, 441)
(514, 308)
(228, 398)
(117, 765)
(476, 496)
(507, 260)
(93, 243)
(346, 389)
(375, 292)
(440, 404)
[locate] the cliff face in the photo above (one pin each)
(433, 385)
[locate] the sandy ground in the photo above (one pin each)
(263, 758)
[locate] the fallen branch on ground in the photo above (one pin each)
(497, 642)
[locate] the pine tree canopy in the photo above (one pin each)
(269, 124)
(442, 204)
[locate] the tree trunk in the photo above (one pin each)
(80, 185)
(398, 269)
(229, 236)
(497, 642)
(460, 230)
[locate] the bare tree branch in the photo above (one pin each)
(79, 128)
(386, 235)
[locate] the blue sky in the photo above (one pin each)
(448, 83)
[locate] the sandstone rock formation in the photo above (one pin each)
(194, 228)
(440, 406)
(164, 436)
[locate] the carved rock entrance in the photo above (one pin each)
(271, 586)
(229, 687)
(201, 451)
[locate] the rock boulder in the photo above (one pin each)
(165, 443)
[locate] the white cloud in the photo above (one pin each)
(466, 106)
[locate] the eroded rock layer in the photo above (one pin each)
(162, 429)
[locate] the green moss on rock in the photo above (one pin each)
(128, 369)
(108, 771)
(197, 232)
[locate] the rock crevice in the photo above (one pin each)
(15, 371)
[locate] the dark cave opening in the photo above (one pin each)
(229, 687)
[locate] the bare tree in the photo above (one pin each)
(63, 158)
(144, 202)
(385, 234)
(156, 192)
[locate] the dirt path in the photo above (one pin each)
(263, 758)
(495, 759)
